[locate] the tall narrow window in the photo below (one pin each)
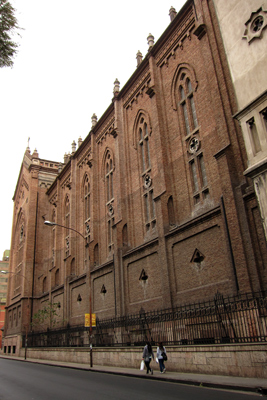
(254, 136)
(96, 255)
(264, 119)
(142, 151)
(143, 132)
(87, 205)
(152, 205)
(73, 267)
(146, 207)
(198, 172)
(53, 239)
(147, 152)
(203, 170)
(194, 175)
(171, 211)
(125, 236)
(188, 104)
(144, 146)
(184, 106)
(109, 170)
(57, 277)
(110, 234)
(149, 209)
(44, 284)
(67, 224)
(109, 178)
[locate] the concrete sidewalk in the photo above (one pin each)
(215, 381)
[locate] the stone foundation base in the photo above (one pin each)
(231, 360)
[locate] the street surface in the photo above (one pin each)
(27, 381)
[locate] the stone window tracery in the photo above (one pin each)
(87, 206)
(53, 238)
(67, 224)
(109, 175)
(188, 104)
(185, 81)
(255, 25)
(143, 146)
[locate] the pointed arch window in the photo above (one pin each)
(125, 236)
(53, 238)
(87, 206)
(144, 146)
(186, 99)
(109, 177)
(67, 224)
(184, 87)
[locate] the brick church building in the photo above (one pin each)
(152, 209)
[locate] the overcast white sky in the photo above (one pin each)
(70, 54)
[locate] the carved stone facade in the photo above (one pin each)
(158, 210)
(243, 26)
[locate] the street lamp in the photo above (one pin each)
(28, 310)
(50, 223)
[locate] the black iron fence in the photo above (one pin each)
(240, 319)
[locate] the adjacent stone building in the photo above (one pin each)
(153, 209)
(245, 47)
(4, 264)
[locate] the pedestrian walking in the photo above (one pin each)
(161, 356)
(147, 357)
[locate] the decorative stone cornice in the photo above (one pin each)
(108, 130)
(67, 182)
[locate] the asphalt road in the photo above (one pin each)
(26, 381)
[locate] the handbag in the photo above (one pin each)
(164, 356)
(142, 366)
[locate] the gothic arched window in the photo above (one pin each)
(109, 174)
(144, 145)
(67, 224)
(186, 99)
(87, 206)
(109, 177)
(183, 90)
(53, 238)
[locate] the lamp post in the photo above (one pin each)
(28, 310)
(50, 223)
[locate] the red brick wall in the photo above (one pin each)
(231, 245)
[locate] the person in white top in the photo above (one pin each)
(160, 356)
